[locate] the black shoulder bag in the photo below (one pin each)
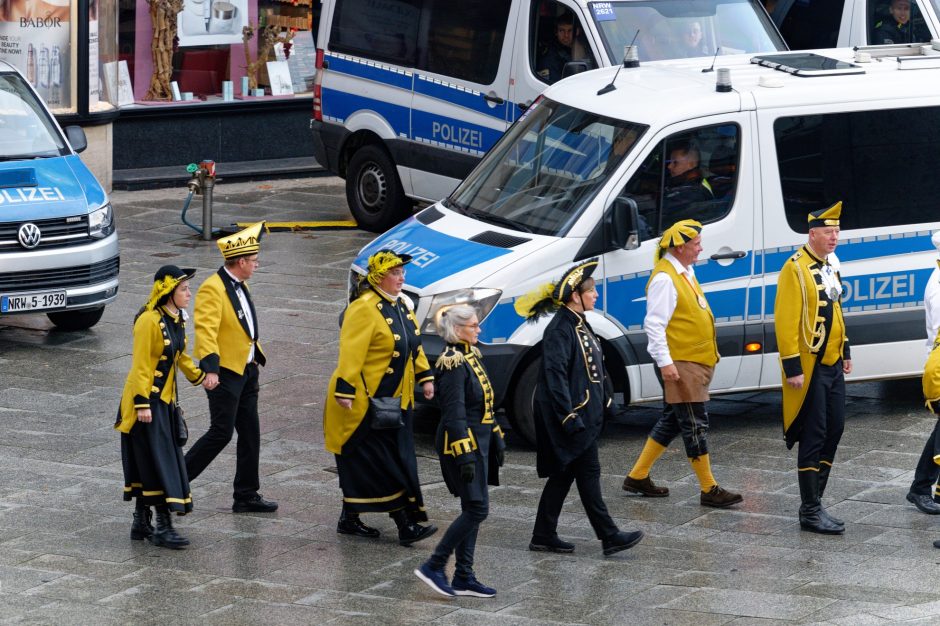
(387, 412)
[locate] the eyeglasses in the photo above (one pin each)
(398, 271)
(477, 325)
(252, 261)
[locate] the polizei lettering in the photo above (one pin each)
(880, 289)
(30, 194)
(421, 257)
(455, 134)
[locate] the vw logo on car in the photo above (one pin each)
(29, 235)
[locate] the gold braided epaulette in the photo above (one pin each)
(450, 359)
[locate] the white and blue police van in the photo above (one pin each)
(58, 245)
(587, 171)
(409, 94)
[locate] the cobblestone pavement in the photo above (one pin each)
(66, 557)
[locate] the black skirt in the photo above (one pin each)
(378, 470)
(154, 466)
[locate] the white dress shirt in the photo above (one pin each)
(932, 307)
(240, 292)
(661, 299)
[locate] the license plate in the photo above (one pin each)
(18, 302)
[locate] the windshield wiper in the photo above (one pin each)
(454, 206)
(483, 216)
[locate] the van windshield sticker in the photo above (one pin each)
(30, 194)
(603, 11)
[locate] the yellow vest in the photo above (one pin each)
(690, 333)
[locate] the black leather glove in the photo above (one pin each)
(573, 426)
(467, 472)
(500, 456)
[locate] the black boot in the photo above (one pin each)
(823, 480)
(811, 517)
(409, 532)
(165, 535)
(350, 524)
(141, 528)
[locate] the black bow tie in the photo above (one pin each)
(236, 283)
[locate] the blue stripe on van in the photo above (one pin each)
(370, 72)
(342, 104)
(454, 95)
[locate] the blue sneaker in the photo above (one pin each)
(471, 587)
(435, 579)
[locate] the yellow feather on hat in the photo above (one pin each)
(537, 302)
(381, 262)
(682, 232)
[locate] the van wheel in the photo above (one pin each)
(374, 191)
(76, 320)
(523, 402)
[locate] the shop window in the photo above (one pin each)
(863, 159)
(355, 32)
(896, 21)
(556, 36)
(690, 175)
(465, 39)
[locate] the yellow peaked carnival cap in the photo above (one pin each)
(680, 233)
(825, 217)
(242, 243)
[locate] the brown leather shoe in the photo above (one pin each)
(719, 498)
(644, 487)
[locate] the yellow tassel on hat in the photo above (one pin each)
(242, 243)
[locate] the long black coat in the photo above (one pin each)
(468, 431)
(572, 387)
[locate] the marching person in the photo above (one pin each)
(380, 357)
(814, 359)
(470, 447)
(230, 353)
(928, 472)
(570, 400)
(681, 336)
(151, 452)
(931, 386)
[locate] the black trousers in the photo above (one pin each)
(823, 417)
(586, 471)
(928, 472)
(233, 407)
(461, 537)
(688, 418)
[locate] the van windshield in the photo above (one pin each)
(26, 131)
(682, 30)
(544, 171)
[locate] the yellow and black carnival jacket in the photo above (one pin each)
(809, 327)
(373, 362)
(468, 431)
(223, 338)
(159, 348)
(931, 378)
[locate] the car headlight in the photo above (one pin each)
(101, 222)
(483, 300)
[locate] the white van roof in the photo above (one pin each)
(665, 92)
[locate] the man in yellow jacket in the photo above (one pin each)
(814, 359)
(680, 329)
(229, 351)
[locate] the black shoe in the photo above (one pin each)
(621, 541)
(142, 528)
(936, 544)
(551, 544)
(924, 503)
(414, 532)
(254, 504)
(352, 525)
(164, 534)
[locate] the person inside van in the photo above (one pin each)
(552, 61)
(897, 26)
(686, 186)
(690, 41)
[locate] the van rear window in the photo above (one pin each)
(873, 161)
(384, 30)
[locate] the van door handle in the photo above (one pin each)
(737, 254)
(494, 99)
(524, 105)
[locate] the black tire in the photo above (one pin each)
(523, 402)
(373, 190)
(76, 320)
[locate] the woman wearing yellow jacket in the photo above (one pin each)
(151, 441)
(380, 356)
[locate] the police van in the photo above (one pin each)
(591, 170)
(409, 94)
(58, 245)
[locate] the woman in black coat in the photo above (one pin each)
(470, 446)
(570, 400)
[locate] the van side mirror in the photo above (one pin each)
(574, 67)
(624, 224)
(76, 137)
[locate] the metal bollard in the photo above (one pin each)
(207, 183)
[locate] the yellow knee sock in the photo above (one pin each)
(703, 469)
(651, 452)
